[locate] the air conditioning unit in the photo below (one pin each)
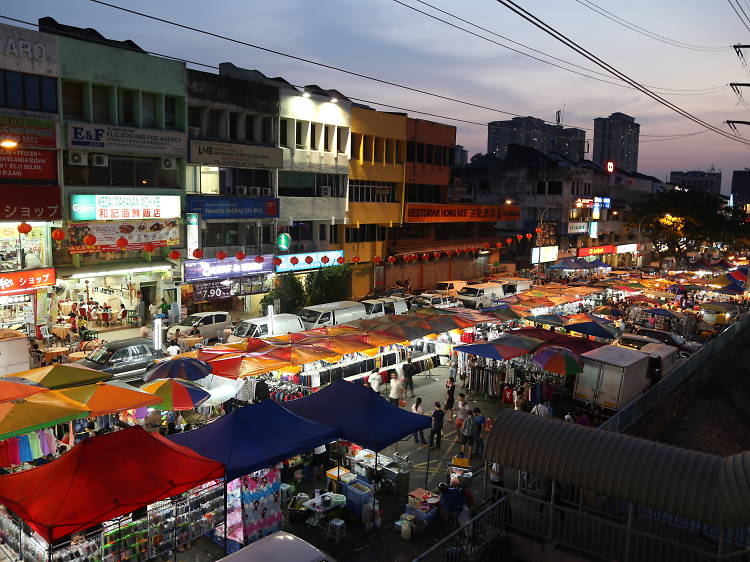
(241, 190)
(325, 190)
(254, 191)
(266, 192)
(100, 160)
(168, 163)
(78, 158)
(194, 132)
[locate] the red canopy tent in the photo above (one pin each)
(102, 478)
(573, 343)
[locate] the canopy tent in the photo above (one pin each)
(599, 263)
(255, 437)
(102, 478)
(575, 344)
(63, 376)
(105, 398)
(37, 412)
(358, 414)
(566, 264)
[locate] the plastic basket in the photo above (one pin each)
(425, 516)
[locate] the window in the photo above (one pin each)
(366, 191)
(100, 103)
(123, 171)
(194, 116)
(314, 132)
(327, 137)
(367, 149)
(220, 318)
(283, 124)
(265, 130)
(302, 230)
(14, 89)
(428, 157)
(233, 118)
(221, 234)
(411, 151)
(379, 149)
(148, 110)
(322, 231)
(554, 188)
(209, 180)
(299, 140)
(28, 91)
(296, 184)
(333, 237)
(72, 100)
(342, 134)
(170, 112)
(399, 157)
(356, 152)
(214, 123)
(145, 171)
(541, 188)
(420, 193)
(32, 97)
(389, 151)
(126, 103)
(365, 233)
(420, 153)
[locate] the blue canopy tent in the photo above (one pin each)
(255, 437)
(359, 415)
(586, 264)
(566, 264)
(599, 263)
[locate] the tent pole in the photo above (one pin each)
(226, 516)
(427, 470)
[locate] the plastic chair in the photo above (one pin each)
(336, 530)
(46, 336)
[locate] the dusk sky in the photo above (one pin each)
(384, 39)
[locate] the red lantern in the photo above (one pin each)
(474, 250)
(356, 259)
(509, 241)
(89, 239)
(259, 259)
(467, 250)
(425, 256)
(377, 259)
(148, 247)
(174, 255)
(498, 244)
(391, 259)
(276, 261)
(537, 230)
(308, 260)
(486, 245)
(340, 260)
(529, 236)
(58, 235)
(436, 255)
(122, 242)
(449, 253)
(324, 259)
(24, 228)
(519, 237)
(197, 253)
(294, 261)
(221, 255)
(240, 256)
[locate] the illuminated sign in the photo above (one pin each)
(577, 227)
(212, 268)
(191, 231)
(283, 241)
(585, 202)
(19, 281)
(610, 167)
(85, 207)
(287, 265)
(547, 253)
(425, 212)
(596, 251)
(593, 229)
(604, 202)
(626, 248)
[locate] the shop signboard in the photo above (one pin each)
(596, 251)
(287, 265)
(191, 232)
(233, 207)
(30, 202)
(27, 132)
(211, 291)
(426, 213)
(137, 233)
(234, 155)
(108, 138)
(626, 248)
(567, 253)
(25, 164)
(25, 50)
(228, 268)
(593, 229)
(544, 254)
(577, 227)
(85, 207)
(28, 280)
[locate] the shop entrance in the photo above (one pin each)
(148, 294)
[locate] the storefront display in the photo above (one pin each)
(107, 234)
(23, 251)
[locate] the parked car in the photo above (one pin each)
(387, 305)
(670, 338)
(209, 324)
(259, 327)
(332, 314)
(634, 341)
(435, 300)
(124, 359)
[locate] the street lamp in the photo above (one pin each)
(8, 143)
(508, 202)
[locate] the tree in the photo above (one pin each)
(329, 284)
(289, 292)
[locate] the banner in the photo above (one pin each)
(30, 202)
(28, 133)
(23, 164)
(424, 212)
(137, 233)
(108, 138)
(211, 291)
(233, 207)
(577, 227)
(596, 251)
(17, 281)
(234, 155)
(212, 268)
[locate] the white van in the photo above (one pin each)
(451, 288)
(209, 324)
(483, 295)
(260, 327)
(387, 305)
(332, 314)
(279, 547)
(513, 285)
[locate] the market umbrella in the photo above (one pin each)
(585, 317)
(105, 398)
(607, 310)
(62, 376)
(663, 312)
(505, 347)
(551, 319)
(176, 394)
(336, 344)
(178, 368)
(596, 329)
(37, 412)
(558, 360)
(15, 388)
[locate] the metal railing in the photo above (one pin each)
(631, 413)
(468, 541)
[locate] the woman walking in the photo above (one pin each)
(450, 393)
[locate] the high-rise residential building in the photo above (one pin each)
(616, 140)
(568, 142)
(698, 180)
(460, 156)
(741, 188)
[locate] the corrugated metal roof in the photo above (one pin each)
(682, 482)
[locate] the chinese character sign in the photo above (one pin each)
(18, 281)
(137, 233)
(118, 207)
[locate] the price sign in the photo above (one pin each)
(211, 291)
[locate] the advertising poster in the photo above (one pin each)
(22, 163)
(137, 233)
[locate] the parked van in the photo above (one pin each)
(387, 305)
(482, 295)
(332, 314)
(209, 324)
(260, 327)
(663, 358)
(279, 547)
(451, 288)
(513, 285)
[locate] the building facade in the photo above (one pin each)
(568, 142)
(709, 182)
(616, 140)
(741, 188)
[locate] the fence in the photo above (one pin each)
(631, 413)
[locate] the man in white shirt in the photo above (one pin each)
(374, 381)
(542, 409)
(173, 349)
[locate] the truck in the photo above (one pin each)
(612, 376)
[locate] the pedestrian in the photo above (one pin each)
(461, 411)
(450, 392)
(652, 321)
(320, 460)
(153, 309)
(542, 409)
(453, 366)
(417, 408)
(408, 370)
(479, 421)
(164, 306)
(468, 429)
(394, 392)
(374, 381)
(436, 433)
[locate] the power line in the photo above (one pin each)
(643, 31)
(531, 18)
(738, 15)
(700, 92)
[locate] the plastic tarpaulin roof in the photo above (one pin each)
(359, 415)
(102, 478)
(255, 437)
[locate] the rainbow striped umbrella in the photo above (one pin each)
(558, 360)
(186, 368)
(176, 394)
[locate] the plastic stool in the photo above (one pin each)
(336, 529)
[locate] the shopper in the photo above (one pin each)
(417, 408)
(320, 459)
(374, 381)
(436, 433)
(468, 429)
(450, 392)
(453, 366)
(394, 392)
(408, 370)
(164, 307)
(452, 502)
(461, 410)
(542, 409)
(479, 421)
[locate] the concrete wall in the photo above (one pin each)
(311, 208)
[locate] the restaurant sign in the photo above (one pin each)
(228, 268)
(30, 202)
(18, 281)
(596, 251)
(85, 207)
(425, 213)
(626, 248)
(212, 290)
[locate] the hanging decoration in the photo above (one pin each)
(148, 247)
(24, 228)
(259, 259)
(308, 260)
(498, 245)
(294, 260)
(356, 259)
(537, 230)
(391, 259)
(519, 237)
(340, 260)
(174, 255)
(528, 236)
(436, 255)
(221, 255)
(277, 261)
(240, 256)
(89, 239)
(486, 245)
(449, 253)
(122, 242)
(197, 253)
(377, 259)
(509, 241)
(324, 260)
(58, 235)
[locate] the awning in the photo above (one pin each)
(114, 268)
